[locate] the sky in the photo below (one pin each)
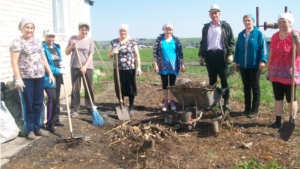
(146, 17)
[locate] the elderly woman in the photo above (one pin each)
(250, 56)
(53, 54)
(129, 64)
(280, 66)
(29, 64)
(85, 47)
(168, 60)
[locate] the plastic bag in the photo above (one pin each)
(9, 129)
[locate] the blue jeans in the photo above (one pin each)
(34, 97)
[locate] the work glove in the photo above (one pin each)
(115, 51)
(229, 59)
(62, 65)
(138, 71)
(19, 84)
(267, 75)
(51, 79)
(62, 71)
(201, 61)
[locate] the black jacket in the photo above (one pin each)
(227, 40)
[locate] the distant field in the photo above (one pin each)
(190, 55)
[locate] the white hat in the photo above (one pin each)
(25, 21)
(167, 25)
(124, 26)
(48, 32)
(287, 16)
(84, 24)
(214, 7)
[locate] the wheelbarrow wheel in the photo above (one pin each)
(188, 116)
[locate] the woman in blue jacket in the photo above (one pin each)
(53, 55)
(251, 55)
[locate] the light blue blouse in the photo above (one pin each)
(169, 57)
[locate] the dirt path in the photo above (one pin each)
(197, 149)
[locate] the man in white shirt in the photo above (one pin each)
(216, 48)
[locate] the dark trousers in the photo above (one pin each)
(34, 97)
(53, 104)
(250, 78)
(76, 77)
(166, 79)
(216, 65)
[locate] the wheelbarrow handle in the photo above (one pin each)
(226, 88)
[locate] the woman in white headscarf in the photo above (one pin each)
(29, 64)
(280, 66)
(168, 61)
(129, 64)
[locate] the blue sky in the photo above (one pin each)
(146, 17)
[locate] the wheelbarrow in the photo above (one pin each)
(194, 99)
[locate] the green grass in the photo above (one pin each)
(254, 164)
(190, 55)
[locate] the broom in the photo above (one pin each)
(96, 118)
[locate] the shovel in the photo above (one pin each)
(287, 128)
(122, 111)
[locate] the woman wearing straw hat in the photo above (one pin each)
(129, 64)
(29, 65)
(250, 56)
(280, 66)
(85, 46)
(168, 60)
(53, 54)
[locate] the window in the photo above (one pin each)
(58, 16)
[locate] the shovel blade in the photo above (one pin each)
(122, 113)
(285, 131)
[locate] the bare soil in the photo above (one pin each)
(172, 148)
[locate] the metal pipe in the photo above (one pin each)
(257, 17)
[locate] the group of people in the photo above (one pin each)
(38, 66)
(250, 57)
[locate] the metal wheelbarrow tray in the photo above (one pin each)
(200, 98)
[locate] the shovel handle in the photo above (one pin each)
(118, 80)
(293, 71)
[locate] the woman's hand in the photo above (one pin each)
(182, 68)
(83, 69)
(235, 66)
(262, 65)
(156, 69)
(73, 43)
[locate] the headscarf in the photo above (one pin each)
(25, 21)
(167, 25)
(124, 26)
(287, 16)
(48, 32)
(252, 17)
(84, 24)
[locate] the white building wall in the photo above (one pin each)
(12, 11)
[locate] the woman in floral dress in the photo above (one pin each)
(129, 64)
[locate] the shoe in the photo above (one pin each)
(275, 125)
(74, 114)
(172, 104)
(245, 113)
(41, 133)
(59, 124)
(31, 135)
(252, 114)
(292, 120)
(166, 104)
(131, 113)
(226, 105)
(51, 129)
